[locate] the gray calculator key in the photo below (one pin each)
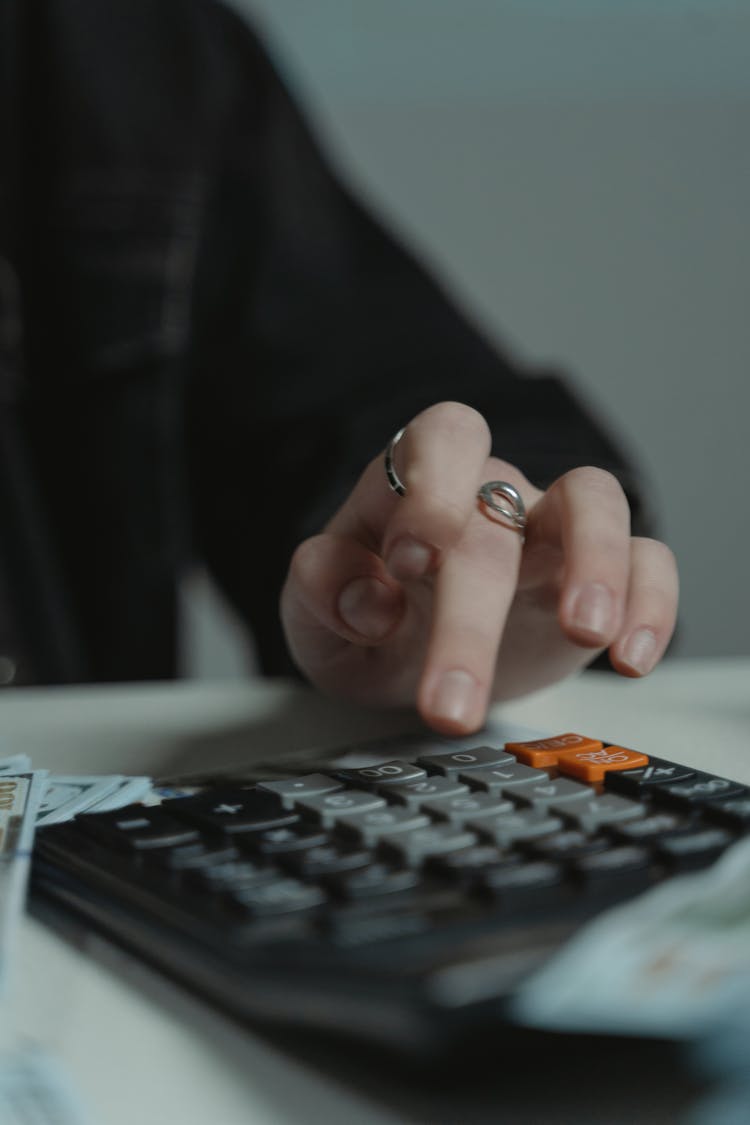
(384, 774)
(460, 760)
(523, 824)
(470, 806)
(599, 811)
(282, 897)
(438, 839)
(554, 794)
(370, 826)
(330, 807)
(309, 785)
(418, 793)
(506, 775)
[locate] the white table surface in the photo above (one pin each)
(141, 1050)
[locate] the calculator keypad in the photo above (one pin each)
(368, 853)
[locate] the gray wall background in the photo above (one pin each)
(579, 173)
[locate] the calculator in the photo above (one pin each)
(398, 892)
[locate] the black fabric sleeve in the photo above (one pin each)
(317, 336)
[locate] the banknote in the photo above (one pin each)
(19, 763)
(128, 791)
(67, 795)
(675, 962)
(20, 797)
(36, 1090)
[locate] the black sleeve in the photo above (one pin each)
(317, 336)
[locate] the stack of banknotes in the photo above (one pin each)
(33, 1086)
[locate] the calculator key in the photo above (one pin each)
(414, 847)
(328, 859)
(598, 812)
(698, 789)
(592, 765)
(233, 875)
(370, 826)
(734, 812)
(468, 863)
(418, 793)
(546, 794)
(377, 879)
(470, 806)
(187, 857)
(694, 849)
(450, 765)
(625, 862)
(281, 897)
(137, 828)
(569, 844)
(523, 824)
(383, 775)
(291, 789)
(653, 827)
(282, 841)
(505, 777)
(541, 752)
(658, 772)
(330, 807)
(512, 883)
(234, 811)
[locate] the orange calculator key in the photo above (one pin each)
(541, 752)
(591, 765)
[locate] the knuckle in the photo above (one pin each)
(592, 479)
(305, 561)
(458, 420)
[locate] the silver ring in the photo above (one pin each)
(394, 480)
(514, 511)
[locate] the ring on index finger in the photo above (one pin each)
(513, 510)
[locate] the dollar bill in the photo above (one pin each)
(675, 962)
(67, 795)
(20, 797)
(129, 790)
(19, 763)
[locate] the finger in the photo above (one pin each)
(474, 589)
(440, 461)
(651, 609)
(592, 520)
(337, 592)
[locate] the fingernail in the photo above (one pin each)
(640, 651)
(369, 607)
(455, 697)
(409, 558)
(593, 609)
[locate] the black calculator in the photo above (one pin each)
(397, 892)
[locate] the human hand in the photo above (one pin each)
(429, 599)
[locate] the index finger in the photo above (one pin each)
(439, 460)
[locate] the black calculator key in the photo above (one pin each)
(383, 775)
(450, 765)
(657, 772)
(466, 865)
(188, 857)
(415, 794)
(694, 849)
(137, 828)
(661, 822)
(376, 879)
(290, 789)
(283, 896)
(527, 880)
(232, 875)
(698, 789)
(282, 841)
(569, 844)
(235, 811)
(734, 812)
(328, 859)
(615, 863)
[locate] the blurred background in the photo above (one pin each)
(579, 175)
